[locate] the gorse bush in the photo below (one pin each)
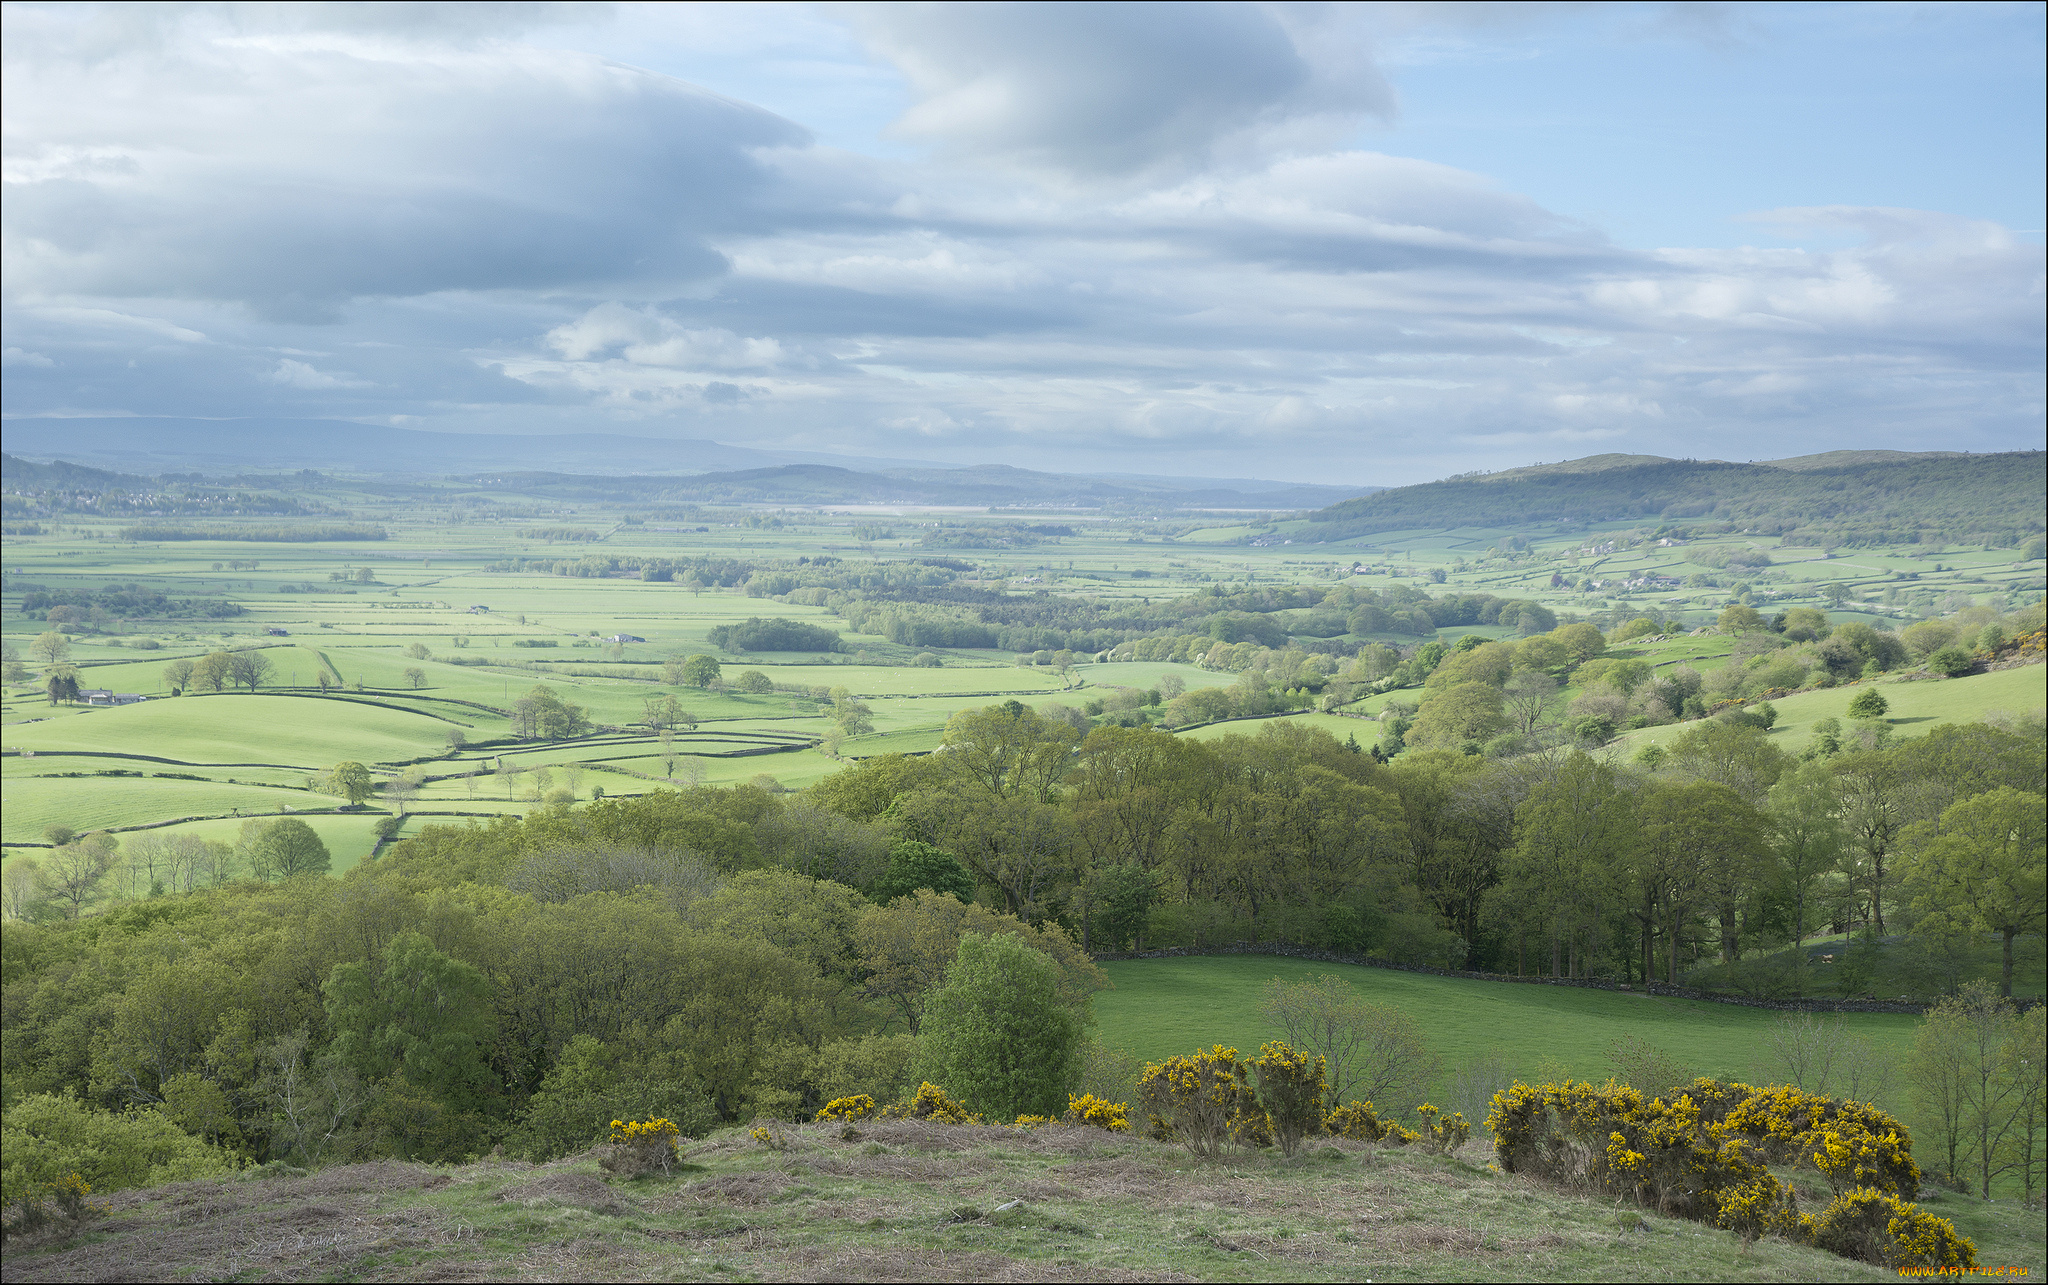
(1291, 1088)
(931, 1103)
(642, 1147)
(1086, 1108)
(858, 1107)
(1702, 1155)
(1441, 1136)
(1360, 1123)
(1204, 1101)
(1877, 1227)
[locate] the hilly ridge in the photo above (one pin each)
(1918, 498)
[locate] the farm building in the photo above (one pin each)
(625, 638)
(101, 696)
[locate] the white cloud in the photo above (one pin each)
(298, 374)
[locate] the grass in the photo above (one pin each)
(293, 731)
(1161, 1007)
(1916, 708)
(909, 1201)
(1367, 731)
(86, 804)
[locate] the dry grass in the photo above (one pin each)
(902, 1201)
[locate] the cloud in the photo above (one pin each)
(297, 374)
(646, 339)
(294, 170)
(1120, 90)
(1133, 245)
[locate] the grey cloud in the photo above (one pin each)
(293, 179)
(1118, 89)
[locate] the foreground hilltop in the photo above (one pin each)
(913, 1200)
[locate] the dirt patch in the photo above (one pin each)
(737, 1189)
(937, 1265)
(1425, 1236)
(379, 1176)
(567, 1191)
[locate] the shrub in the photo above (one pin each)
(931, 1103)
(1203, 1100)
(1360, 1123)
(997, 1031)
(642, 1147)
(1441, 1137)
(1702, 1155)
(1869, 703)
(1878, 1227)
(1952, 661)
(1086, 1108)
(1291, 1089)
(858, 1107)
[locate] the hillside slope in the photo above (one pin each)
(911, 1201)
(1922, 498)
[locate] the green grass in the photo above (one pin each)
(287, 730)
(1161, 1007)
(88, 803)
(1344, 729)
(1916, 707)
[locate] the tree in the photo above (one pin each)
(1739, 619)
(19, 887)
(62, 684)
(753, 680)
(418, 651)
(213, 671)
(248, 668)
(402, 789)
(1373, 1052)
(1964, 1078)
(700, 671)
(1736, 755)
(178, 675)
(1529, 696)
(349, 779)
(1808, 839)
(1869, 703)
(1466, 711)
(996, 1033)
(424, 1019)
(51, 646)
(288, 847)
(416, 677)
(914, 865)
(72, 876)
(542, 714)
(1988, 866)
(1876, 792)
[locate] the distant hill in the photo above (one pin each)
(993, 486)
(27, 475)
(1853, 497)
(575, 463)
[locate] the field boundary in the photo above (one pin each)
(1658, 989)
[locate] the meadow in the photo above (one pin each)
(425, 633)
(1161, 1007)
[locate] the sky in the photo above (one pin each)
(1361, 244)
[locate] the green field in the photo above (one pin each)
(1161, 1007)
(1915, 707)
(1365, 731)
